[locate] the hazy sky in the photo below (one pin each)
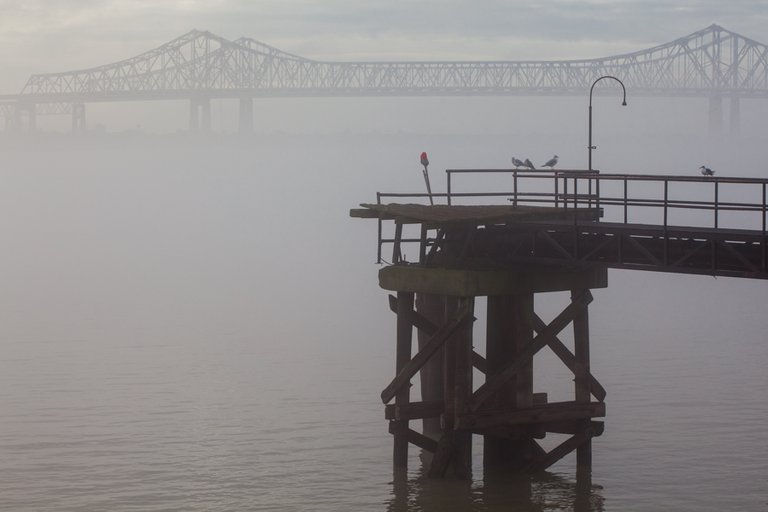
(38, 36)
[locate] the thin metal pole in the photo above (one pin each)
(717, 193)
(448, 184)
(514, 180)
(626, 213)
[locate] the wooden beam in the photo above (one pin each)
(416, 438)
(402, 394)
(498, 381)
(425, 325)
(560, 451)
(433, 345)
(568, 359)
(414, 410)
(553, 412)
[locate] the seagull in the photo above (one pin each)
(517, 163)
(528, 164)
(706, 171)
(551, 163)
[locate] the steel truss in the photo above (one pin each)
(711, 62)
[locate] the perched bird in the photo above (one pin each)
(706, 171)
(528, 164)
(551, 163)
(517, 163)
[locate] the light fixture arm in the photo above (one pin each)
(590, 147)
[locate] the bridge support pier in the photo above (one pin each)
(504, 409)
(78, 118)
(735, 116)
(245, 119)
(21, 111)
(200, 114)
(715, 115)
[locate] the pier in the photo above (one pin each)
(533, 233)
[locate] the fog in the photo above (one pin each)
(204, 301)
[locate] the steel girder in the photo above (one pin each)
(713, 61)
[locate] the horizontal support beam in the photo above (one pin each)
(414, 410)
(476, 283)
(553, 412)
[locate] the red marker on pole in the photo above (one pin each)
(425, 163)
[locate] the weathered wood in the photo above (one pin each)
(571, 427)
(431, 314)
(417, 439)
(479, 362)
(478, 283)
(560, 451)
(414, 410)
(552, 412)
(412, 367)
(443, 453)
(499, 380)
(581, 352)
(568, 359)
(462, 461)
(402, 394)
(425, 325)
(508, 331)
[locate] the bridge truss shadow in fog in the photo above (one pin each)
(713, 63)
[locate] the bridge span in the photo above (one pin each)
(713, 63)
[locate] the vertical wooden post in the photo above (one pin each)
(509, 329)
(402, 357)
(581, 380)
(431, 307)
(462, 463)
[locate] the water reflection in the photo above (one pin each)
(518, 493)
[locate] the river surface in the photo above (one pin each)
(191, 325)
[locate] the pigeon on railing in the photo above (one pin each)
(517, 163)
(529, 164)
(551, 163)
(706, 171)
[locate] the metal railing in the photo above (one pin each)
(622, 198)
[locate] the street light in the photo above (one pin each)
(623, 103)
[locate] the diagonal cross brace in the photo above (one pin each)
(426, 325)
(544, 337)
(568, 359)
(436, 341)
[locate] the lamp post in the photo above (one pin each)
(623, 103)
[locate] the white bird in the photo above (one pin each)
(706, 171)
(517, 163)
(551, 163)
(528, 164)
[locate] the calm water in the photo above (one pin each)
(197, 327)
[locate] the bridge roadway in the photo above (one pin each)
(582, 219)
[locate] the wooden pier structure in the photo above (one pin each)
(549, 235)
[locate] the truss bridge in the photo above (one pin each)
(713, 63)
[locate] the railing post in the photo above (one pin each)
(626, 213)
(557, 186)
(565, 192)
(666, 214)
(448, 184)
(716, 204)
(514, 186)
(597, 189)
(378, 253)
